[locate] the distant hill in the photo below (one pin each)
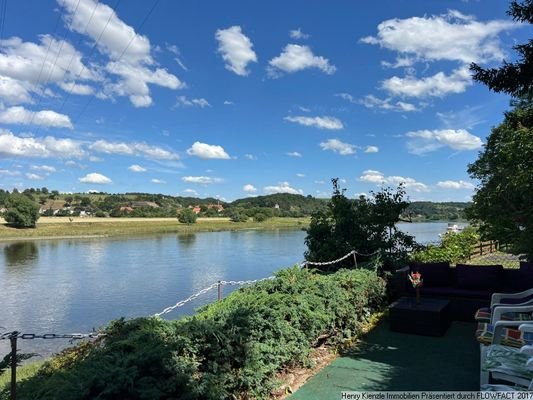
(306, 205)
(430, 211)
(279, 204)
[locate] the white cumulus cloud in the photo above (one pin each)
(377, 177)
(96, 179)
(424, 141)
(338, 146)
(282, 187)
(455, 185)
(20, 115)
(324, 122)
(452, 37)
(158, 181)
(133, 148)
(236, 49)
(49, 146)
(371, 149)
(296, 58)
(136, 168)
(438, 85)
(33, 177)
(44, 168)
(203, 180)
(249, 188)
(208, 151)
(129, 53)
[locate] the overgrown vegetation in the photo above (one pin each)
(367, 225)
(230, 349)
(454, 247)
(21, 211)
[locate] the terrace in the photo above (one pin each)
(390, 361)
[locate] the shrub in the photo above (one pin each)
(187, 216)
(454, 247)
(260, 217)
(230, 349)
(21, 211)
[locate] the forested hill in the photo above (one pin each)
(305, 205)
(429, 211)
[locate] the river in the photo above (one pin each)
(65, 286)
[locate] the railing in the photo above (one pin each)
(484, 248)
(14, 336)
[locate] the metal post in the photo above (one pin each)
(355, 259)
(219, 290)
(13, 340)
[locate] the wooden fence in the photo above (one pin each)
(484, 248)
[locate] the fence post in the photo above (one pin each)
(219, 290)
(13, 340)
(480, 248)
(355, 259)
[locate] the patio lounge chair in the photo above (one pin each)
(501, 299)
(509, 364)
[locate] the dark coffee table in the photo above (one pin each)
(430, 318)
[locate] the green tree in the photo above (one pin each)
(512, 78)
(260, 217)
(237, 215)
(367, 225)
(21, 211)
(502, 202)
(187, 216)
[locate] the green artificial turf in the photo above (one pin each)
(389, 361)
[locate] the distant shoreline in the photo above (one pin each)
(50, 228)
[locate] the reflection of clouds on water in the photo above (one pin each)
(75, 285)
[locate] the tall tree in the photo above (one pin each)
(21, 211)
(514, 78)
(367, 225)
(502, 202)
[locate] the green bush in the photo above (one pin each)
(229, 349)
(187, 216)
(21, 211)
(454, 247)
(260, 217)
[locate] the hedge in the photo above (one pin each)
(229, 349)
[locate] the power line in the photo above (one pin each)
(154, 5)
(65, 36)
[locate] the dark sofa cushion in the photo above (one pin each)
(525, 276)
(483, 277)
(433, 274)
(455, 292)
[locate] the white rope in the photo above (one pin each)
(181, 303)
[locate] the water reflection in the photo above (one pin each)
(21, 254)
(187, 239)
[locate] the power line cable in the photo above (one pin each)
(62, 42)
(154, 5)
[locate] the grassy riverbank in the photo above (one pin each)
(58, 227)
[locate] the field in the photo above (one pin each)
(65, 227)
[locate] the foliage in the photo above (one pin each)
(237, 215)
(5, 363)
(366, 225)
(454, 247)
(429, 211)
(187, 216)
(260, 217)
(230, 349)
(502, 202)
(512, 78)
(21, 211)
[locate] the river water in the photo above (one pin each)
(65, 286)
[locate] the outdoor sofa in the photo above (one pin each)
(467, 287)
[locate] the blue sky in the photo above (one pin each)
(234, 99)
